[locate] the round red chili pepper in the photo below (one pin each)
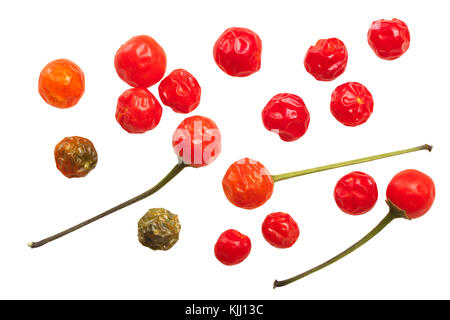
(180, 91)
(140, 62)
(61, 83)
(356, 193)
(280, 230)
(138, 111)
(207, 138)
(197, 141)
(286, 114)
(413, 193)
(327, 59)
(75, 156)
(232, 247)
(389, 39)
(248, 184)
(238, 52)
(351, 104)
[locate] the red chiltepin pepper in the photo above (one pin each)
(237, 52)
(351, 104)
(140, 62)
(410, 195)
(196, 141)
(286, 114)
(356, 193)
(180, 91)
(280, 230)
(232, 247)
(138, 111)
(389, 39)
(327, 59)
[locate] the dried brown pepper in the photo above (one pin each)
(75, 156)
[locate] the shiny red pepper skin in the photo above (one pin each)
(180, 91)
(389, 39)
(280, 230)
(61, 83)
(138, 111)
(140, 62)
(356, 193)
(247, 184)
(351, 104)
(232, 247)
(327, 59)
(197, 141)
(238, 52)
(411, 191)
(286, 114)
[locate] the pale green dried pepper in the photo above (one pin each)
(159, 229)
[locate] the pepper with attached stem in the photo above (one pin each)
(248, 184)
(410, 194)
(196, 141)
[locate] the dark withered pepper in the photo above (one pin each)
(75, 156)
(159, 229)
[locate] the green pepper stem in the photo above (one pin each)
(293, 174)
(172, 174)
(394, 212)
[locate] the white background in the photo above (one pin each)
(105, 259)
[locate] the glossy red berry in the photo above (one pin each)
(389, 39)
(286, 114)
(61, 83)
(411, 191)
(238, 52)
(197, 141)
(232, 247)
(180, 91)
(356, 193)
(327, 59)
(280, 230)
(351, 104)
(75, 157)
(138, 111)
(247, 184)
(140, 62)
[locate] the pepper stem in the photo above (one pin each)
(293, 174)
(172, 174)
(394, 212)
